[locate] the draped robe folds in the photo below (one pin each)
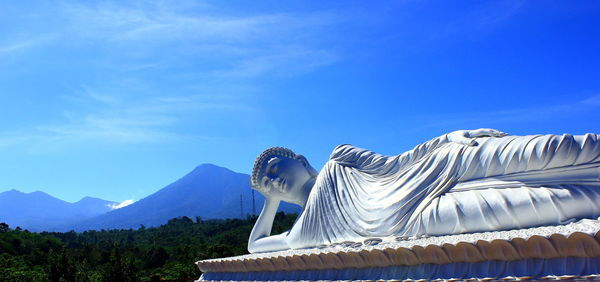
(442, 187)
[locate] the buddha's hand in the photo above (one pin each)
(467, 137)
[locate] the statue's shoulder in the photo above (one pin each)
(343, 151)
(350, 155)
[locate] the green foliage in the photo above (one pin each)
(15, 268)
(3, 227)
(165, 253)
(60, 266)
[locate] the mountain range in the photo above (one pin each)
(208, 192)
(38, 211)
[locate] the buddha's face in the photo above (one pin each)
(286, 178)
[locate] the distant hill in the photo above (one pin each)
(209, 191)
(38, 211)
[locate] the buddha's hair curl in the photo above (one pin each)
(265, 156)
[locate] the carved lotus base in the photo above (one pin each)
(571, 250)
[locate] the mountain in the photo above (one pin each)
(38, 211)
(208, 191)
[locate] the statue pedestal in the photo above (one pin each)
(564, 251)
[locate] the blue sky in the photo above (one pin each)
(116, 99)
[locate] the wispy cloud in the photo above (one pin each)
(122, 204)
(592, 100)
(144, 21)
(139, 120)
(515, 115)
(237, 46)
(474, 22)
(8, 140)
(138, 129)
(102, 98)
(497, 12)
(20, 45)
(282, 63)
(109, 119)
(151, 69)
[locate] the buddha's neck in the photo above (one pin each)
(308, 186)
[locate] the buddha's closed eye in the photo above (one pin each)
(273, 167)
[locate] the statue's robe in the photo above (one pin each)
(442, 187)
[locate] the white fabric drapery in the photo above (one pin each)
(441, 187)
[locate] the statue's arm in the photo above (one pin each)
(462, 137)
(369, 161)
(349, 155)
(466, 137)
(260, 239)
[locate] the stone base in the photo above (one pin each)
(531, 268)
(551, 251)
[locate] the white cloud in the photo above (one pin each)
(148, 35)
(516, 115)
(592, 100)
(107, 99)
(17, 46)
(282, 63)
(102, 119)
(496, 13)
(11, 140)
(156, 22)
(122, 204)
(155, 68)
(136, 121)
(231, 43)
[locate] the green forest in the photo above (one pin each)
(164, 253)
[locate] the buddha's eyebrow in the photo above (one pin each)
(271, 163)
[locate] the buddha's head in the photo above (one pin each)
(279, 172)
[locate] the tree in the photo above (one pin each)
(60, 266)
(157, 258)
(4, 227)
(119, 268)
(167, 252)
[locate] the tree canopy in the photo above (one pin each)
(164, 253)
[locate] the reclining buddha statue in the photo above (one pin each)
(465, 181)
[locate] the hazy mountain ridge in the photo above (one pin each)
(39, 211)
(208, 191)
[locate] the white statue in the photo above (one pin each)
(464, 181)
